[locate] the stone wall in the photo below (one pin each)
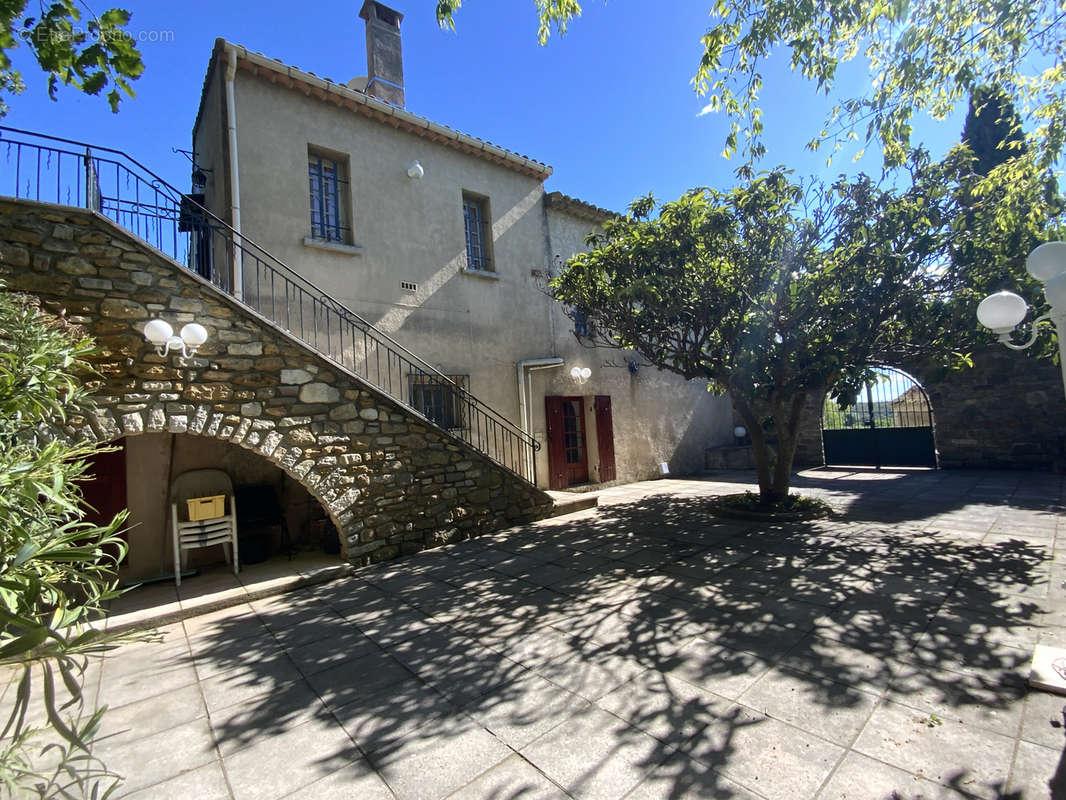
(809, 449)
(1008, 411)
(392, 483)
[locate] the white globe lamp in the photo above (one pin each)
(1001, 312)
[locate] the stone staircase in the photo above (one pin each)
(391, 480)
(118, 187)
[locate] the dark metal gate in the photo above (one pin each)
(889, 423)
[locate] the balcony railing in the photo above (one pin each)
(55, 170)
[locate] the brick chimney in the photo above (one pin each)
(384, 52)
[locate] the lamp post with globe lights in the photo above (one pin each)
(1002, 312)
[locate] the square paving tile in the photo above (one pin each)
(391, 713)
(256, 679)
(513, 778)
(243, 724)
(861, 777)
(149, 678)
(975, 699)
(204, 783)
(148, 760)
(665, 707)
(836, 661)
(437, 759)
(153, 714)
(947, 752)
(353, 781)
(834, 711)
(275, 765)
(589, 673)
(726, 672)
(681, 776)
(1034, 773)
(764, 754)
(339, 685)
(596, 755)
(1044, 719)
(523, 710)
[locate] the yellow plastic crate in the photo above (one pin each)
(206, 507)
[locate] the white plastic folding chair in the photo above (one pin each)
(188, 534)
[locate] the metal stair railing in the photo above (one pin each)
(67, 172)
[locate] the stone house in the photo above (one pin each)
(339, 241)
(444, 242)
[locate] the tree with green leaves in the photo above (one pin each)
(56, 568)
(90, 53)
(1006, 208)
(923, 56)
(776, 293)
(993, 130)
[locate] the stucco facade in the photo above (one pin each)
(402, 261)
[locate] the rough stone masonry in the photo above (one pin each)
(392, 483)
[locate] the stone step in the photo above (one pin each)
(729, 457)
(568, 503)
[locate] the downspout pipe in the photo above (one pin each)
(234, 172)
(523, 369)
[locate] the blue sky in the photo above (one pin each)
(609, 105)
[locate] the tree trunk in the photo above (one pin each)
(774, 470)
(787, 439)
(760, 449)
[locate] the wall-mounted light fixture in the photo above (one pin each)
(199, 179)
(580, 374)
(415, 171)
(159, 333)
(1002, 312)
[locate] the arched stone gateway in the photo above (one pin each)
(391, 482)
(889, 423)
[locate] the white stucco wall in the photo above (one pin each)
(408, 230)
(657, 416)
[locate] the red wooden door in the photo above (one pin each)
(103, 485)
(568, 463)
(605, 437)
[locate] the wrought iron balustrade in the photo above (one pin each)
(62, 171)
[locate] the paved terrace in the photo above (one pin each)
(642, 650)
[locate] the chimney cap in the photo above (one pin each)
(381, 12)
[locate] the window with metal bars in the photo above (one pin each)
(478, 233)
(329, 198)
(440, 400)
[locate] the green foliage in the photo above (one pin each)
(1007, 206)
(56, 569)
(923, 56)
(550, 14)
(993, 130)
(90, 56)
(774, 292)
(750, 505)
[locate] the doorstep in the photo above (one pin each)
(568, 502)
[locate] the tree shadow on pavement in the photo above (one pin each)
(651, 648)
